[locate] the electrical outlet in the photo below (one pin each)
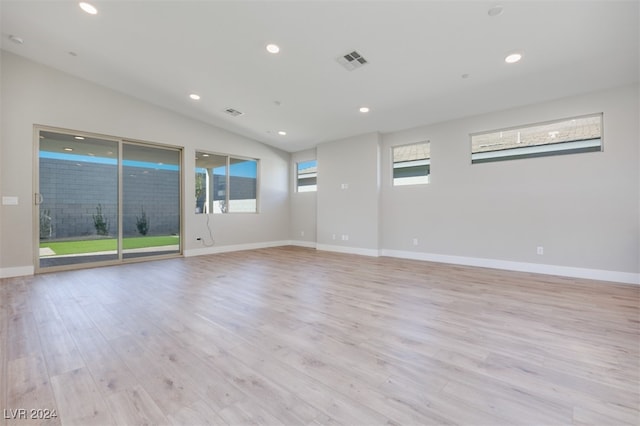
(540, 250)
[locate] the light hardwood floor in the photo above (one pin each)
(293, 336)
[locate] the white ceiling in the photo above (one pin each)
(161, 51)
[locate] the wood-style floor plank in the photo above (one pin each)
(290, 335)
(79, 400)
(134, 406)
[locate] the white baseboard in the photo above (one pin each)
(234, 247)
(18, 271)
(564, 271)
(349, 250)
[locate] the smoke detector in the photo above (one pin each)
(352, 60)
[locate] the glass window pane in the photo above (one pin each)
(150, 200)
(78, 185)
(225, 184)
(211, 183)
(219, 187)
(307, 176)
(243, 185)
(570, 136)
(411, 164)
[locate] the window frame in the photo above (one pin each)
(393, 168)
(537, 151)
(227, 166)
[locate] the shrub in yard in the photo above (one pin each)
(100, 222)
(142, 222)
(45, 224)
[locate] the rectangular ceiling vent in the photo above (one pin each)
(352, 60)
(233, 112)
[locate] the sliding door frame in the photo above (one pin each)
(37, 128)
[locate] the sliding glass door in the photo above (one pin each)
(102, 200)
(78, 199)
(150, 200)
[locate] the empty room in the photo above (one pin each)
(319, 212)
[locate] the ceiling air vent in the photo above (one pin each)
(233, 112)
(352, 60)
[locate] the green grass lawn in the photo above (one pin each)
(92, 246)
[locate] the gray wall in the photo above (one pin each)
(352, 211)
(35, 94)
(303, 204)
(583, 208)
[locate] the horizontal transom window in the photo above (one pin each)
(567, 136)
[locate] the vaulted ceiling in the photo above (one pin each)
(427, 61)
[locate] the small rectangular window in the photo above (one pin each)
(411, 164)
(307, 176)
(568, 136)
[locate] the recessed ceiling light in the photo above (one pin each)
(194, 96)
(80, 138)
(513, 58)
(282, 133)
(16, 39)
(68, 149)
(89, 8)
(273, 48)
(495, 10)
(364, 109)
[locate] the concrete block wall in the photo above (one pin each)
(72, 192)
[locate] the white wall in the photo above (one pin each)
(36, 94)
(352, 211)
(303, 205)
